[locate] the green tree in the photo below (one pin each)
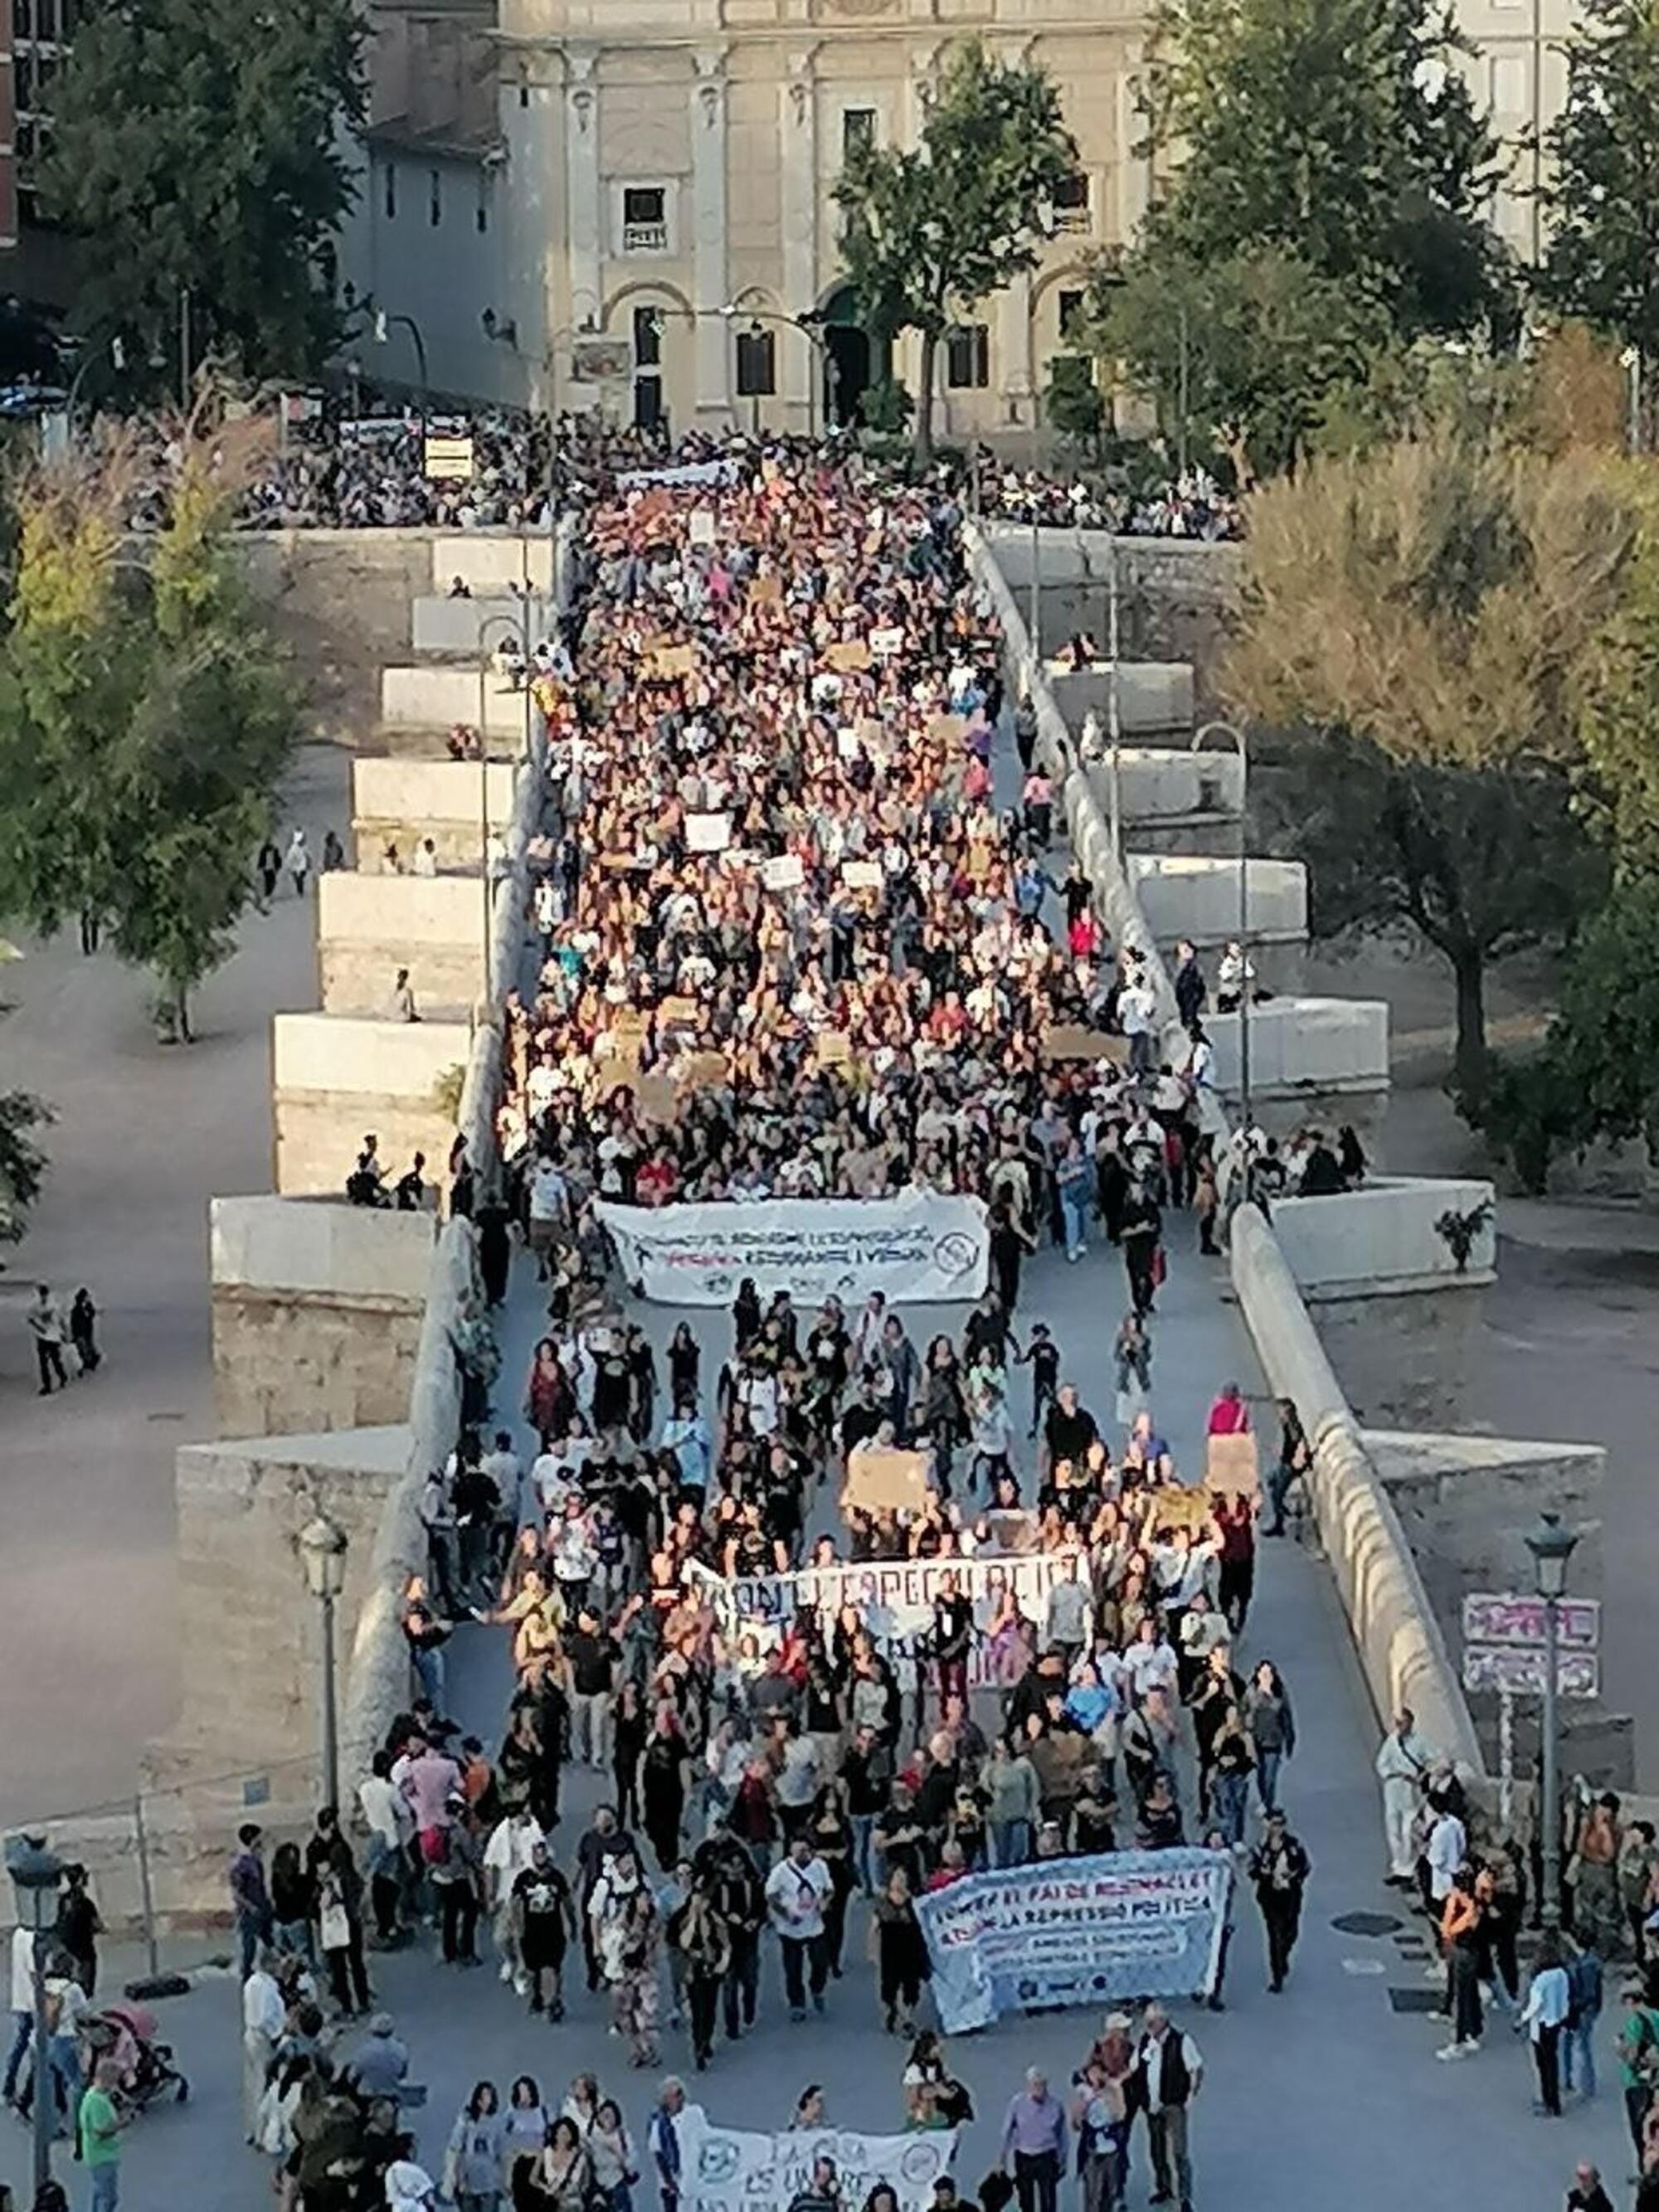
(1426, 610)
(1335, 130)
(22, 1162)
(1072, 403)
(197, 149)
(1244, 356)
(145, 722)
(930, 232)
(1601, 193)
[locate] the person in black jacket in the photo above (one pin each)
(1279, 1868)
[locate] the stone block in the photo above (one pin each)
(1196, 895)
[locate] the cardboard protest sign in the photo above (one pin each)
(702, 1070)
(1070, 1041)
(884, 1480)
(832, 1049)
(708, 833)
(1174, 1507)
(656, 1098)
(847, 655)
(767, 590)
(862, 875)
(948, 729)
(1230, 1463)
(667, 661)
(677, 1012)
(783, 873)
(885, 643)
(628, 1021)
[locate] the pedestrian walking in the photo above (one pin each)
(664, 2141)
(1403, 1763)
(1544, 2017)
(264, 2015)
(1034, 2144)
(475, 2159)
(298, 862)
(900, 1950)
(99, 2121)
(1584, 1992)
(1279, 1868)
(45, 1326)
(1271, 1726)
(1168, 2071)
(797, 1894)
(83, 1333)
(1459, 1940)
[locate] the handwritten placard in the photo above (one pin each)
(862, 875)
(885, 643)
(832, 1049)
(1230, 1463)
(701, 530)
(708, 833)
(702, 1070)
(948, 729)
(783, 873)
(677, 1012)
(847, 655)
(665, 662)
(882, 1479)
(1071, 1041)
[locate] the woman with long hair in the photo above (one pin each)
(475, 2161)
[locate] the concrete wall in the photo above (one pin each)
(1189, 894)
(1169, 782)
(491, 561)
(448, 629)
(1400, 1646)
(1382, 1238)
(1175, 596)
(1325, 1046)
(334, 1078)
(1465, 1504)
(403, 802)
(432, 697)
(1153, 697)
(368, 926)
(316, 1312)
(340, 599)
(246, 1614)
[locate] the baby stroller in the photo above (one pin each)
(127, 2033)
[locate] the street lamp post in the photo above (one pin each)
(1551, 1547)
(507, 625)
(1241, 746)
(323, 1547)
(36, 1874)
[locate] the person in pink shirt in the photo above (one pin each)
(428, 1778)
(1230, 1416)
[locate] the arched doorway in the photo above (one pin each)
(853, 361)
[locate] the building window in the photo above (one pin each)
(858, 131)
(757, 368)
(967, 358)
(645, 219)
(435, 213)
(647, 403)
(1071, 313)
(648, 337)
(483, 216)
(1071, 202)
(391, 191)
(1509, 85)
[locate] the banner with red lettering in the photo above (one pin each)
(1084, 1932)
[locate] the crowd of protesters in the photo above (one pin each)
(1192, 504)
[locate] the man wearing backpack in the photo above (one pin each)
(1584, 2011)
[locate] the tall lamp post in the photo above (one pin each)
(490, 631)
(36, 1874)
(323, 1546)
(1241, 748)
(1551, 1547)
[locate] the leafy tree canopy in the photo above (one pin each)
(932, 230)
(197, 149)
(1601, 193)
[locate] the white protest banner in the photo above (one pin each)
(708, 833)
(918, 1246)
(893, 1598)
(741, 2170)
(1080, 1931)
(782, 872)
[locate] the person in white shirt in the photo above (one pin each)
(1448, 1850)
(23, 2005)
(797, 1890)
(507, 1854)
(263, 2017)
(390, 1830)
(1549, 1999)
(1403, 1765)
(425, 862)
(1149, 1663)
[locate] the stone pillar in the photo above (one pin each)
(709, 283)
(584, 210)
(798, 117)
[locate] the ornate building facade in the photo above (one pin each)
(661, 172)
